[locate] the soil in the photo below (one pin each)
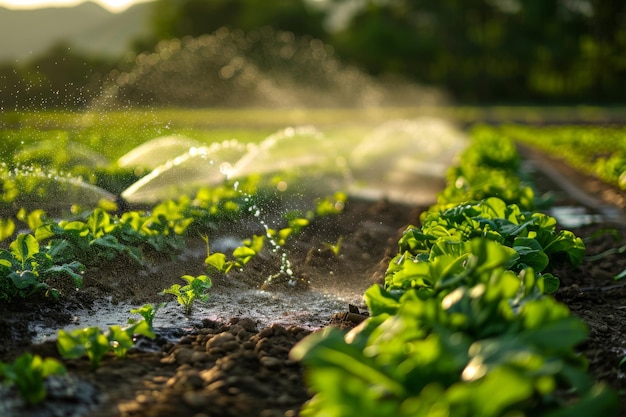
(230, 360)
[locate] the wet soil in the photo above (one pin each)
(236, 363)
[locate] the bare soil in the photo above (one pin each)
(239, 365)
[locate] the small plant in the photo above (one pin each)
(147, 311)
(94, 343)
(28, 372)
(196, 289)
(121, 339)
(90, 342)
(335, 248)
(26, 267)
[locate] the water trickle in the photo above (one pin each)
(285, 270)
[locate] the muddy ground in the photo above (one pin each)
(238, 365)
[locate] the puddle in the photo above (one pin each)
(574, 216)
(309, 309)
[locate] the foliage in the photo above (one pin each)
(463, 324)
(148, 312)
(195, 290)
(94, 343)
(482, 50)
(532, 235)
(329, 205)
(599, 151)
(197, 17)
(102, 237)
(488, 168)
(241, 255)
(28, 372)
(26, 269)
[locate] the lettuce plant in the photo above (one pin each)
(94, 343)
(148, 312)
(532, 235)
(196, 289)
(26, 269)
(486, 342)
(28, 373)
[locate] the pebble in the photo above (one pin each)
(219, 340)
(248, 324)
(188, 380)
(285, 399)
(271, 362)
(183, 355)
(198, 357)
(196, 399)
(266, 332)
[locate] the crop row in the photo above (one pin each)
(34, 260)
(464, 324)
(52, 252)
(599, 151)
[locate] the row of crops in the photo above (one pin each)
(598, 151)
(465, 324)
(50, 255)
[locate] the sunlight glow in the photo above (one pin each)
(111, 5)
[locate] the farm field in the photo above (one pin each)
(231, 355)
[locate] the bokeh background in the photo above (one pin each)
(537, 52)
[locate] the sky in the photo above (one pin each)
(112, 5)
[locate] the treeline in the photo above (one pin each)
(480, 51)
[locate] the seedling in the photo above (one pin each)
(25, 268)
(90, 342)
(335, 248)
(120, 340)
(196, 289)
(147, 311)
(242, 255)
(28, 372)
(94, 343)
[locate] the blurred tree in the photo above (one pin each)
(58, 78)
(178, 18)
(558, 50)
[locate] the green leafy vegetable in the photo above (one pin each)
(28, 372)
(195, 290)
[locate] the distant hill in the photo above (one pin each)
(87, 27)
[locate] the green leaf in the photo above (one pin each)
(119, 340)
(531, 253)
(550, 283)
(216, 261)
(381, 301)
(28, 372)
(556, 335)
(99, 223)
(598, 401)
(243, 254)
(24, 247)
(24, 279)
(328, 349)
(89, 341)
(78, 227)
(72, 269)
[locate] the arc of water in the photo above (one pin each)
(197, 167)
(289, 148)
